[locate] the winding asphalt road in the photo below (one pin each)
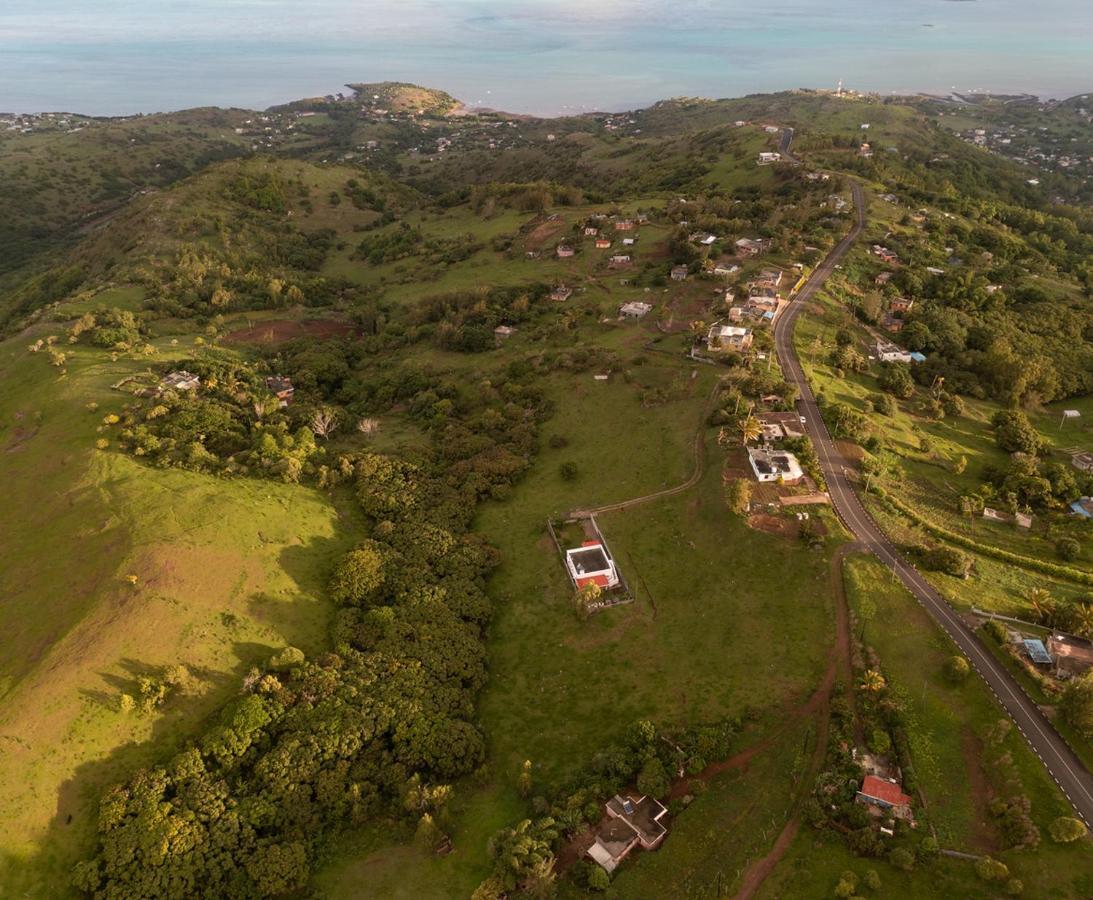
(1062, 764)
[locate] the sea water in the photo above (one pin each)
(112, 57)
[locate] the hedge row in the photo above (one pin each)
(1037, 565)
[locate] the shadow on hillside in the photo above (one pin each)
(71, 833)
(302, 615)
(309, 564)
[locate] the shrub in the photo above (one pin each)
(996, 631)
(568, 471)
(883, 404)
(653, 779)
(288, 658)
(947, 560)
(902, 858)
(879, 741)
(872, 880)
(598, 879)
(991, 869)
(1067, 548)
(957, 669)
(1066, 829)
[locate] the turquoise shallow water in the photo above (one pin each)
(551, 56)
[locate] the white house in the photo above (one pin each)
(766, 159)
(774, 465)
(591, 564)
(180, 381)
(887, 352)
(635, 309)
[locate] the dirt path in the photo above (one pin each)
(840, 664)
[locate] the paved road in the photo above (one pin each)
(1067, 770)
(783, 147)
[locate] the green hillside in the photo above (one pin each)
(290, 397)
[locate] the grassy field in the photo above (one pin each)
(225, 572)
(948, 725)
(717, 605)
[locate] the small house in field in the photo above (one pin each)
(891, 323)
(565, 251)
(180, 381)
(561, 293)
(602, 243)
(725, 268)
(503, 332)
(619, 260)
(774, 465)
(882, 279)
(590, 231)
(624, 225)
(1082, 507)
(901, 304)
(592, 564)
(631, 821)
(281, 388)
(765, 159)
(635, 309)
(679, 273)
(885, 794)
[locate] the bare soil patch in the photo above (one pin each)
(984, 838)
(276, 331)
(543, 233)
(774, 524)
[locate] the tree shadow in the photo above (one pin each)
(309, 564)
(70, 835)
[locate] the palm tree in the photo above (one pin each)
(1083, 620)
(873, 682)
(1043, 606)
(750, 429)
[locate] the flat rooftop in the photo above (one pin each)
(642, 817)
(587, 560)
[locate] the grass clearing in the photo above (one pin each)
(226, 572)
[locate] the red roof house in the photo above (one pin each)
(885, 794)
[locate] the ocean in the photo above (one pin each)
(114, 57)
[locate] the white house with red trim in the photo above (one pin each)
(592, 564)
